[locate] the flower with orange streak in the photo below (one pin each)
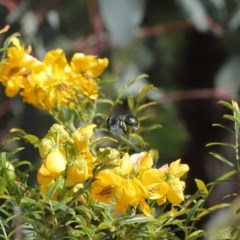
(49, 85)
(105, 186)
(154, 181)
(52, 82)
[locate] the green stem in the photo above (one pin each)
(237, 145)
(3, 229)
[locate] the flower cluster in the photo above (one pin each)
(66, 158)
(124, 181)
(52, 82)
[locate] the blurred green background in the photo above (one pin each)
(190, 50)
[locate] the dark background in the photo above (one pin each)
(189, 49)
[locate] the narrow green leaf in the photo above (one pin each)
(143, 92)
(222, 159)
(102, 140)
(146, 105)
(220, 144)
(146, 117)
(134, 219)
(219, 206)
(211, 209)
(15, 150)
(194, 209)
(62, 205)
(232, 118)
(196, 234)
(223, 127)
(225, 176)
(150, 128)
(27, 137)
(226, 104)
(105, 101)
(131, 103)
(31, 139)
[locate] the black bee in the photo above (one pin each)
(127, 123)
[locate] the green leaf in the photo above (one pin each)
(23, 163)
(134, 219)
(27, 137)
(146, 105)
(196, 234)
(105, 101)
(194, 209)
(214, 208)
(225, 176)
(15, 150)
(105, 225)
(131, 103)
(102, 140)
(150, 128)
(220, 144)
(222, 159)
(232, 118)
(223, 127)
(201, 186)
(226, 104)
(143, 92)
(61, 205)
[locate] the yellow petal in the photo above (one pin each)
(55, 162)
(82, 136)
(175, 194)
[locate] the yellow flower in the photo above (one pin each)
(106, 184)
(121, 160)
(88, 65)
(55, 162)
(177, 169)
(43, 176)
(124, 167)
(82, 136)
(142, 161)
(77, 171)
(52, 82)
(16, 68)
(52, 167)
(131, 193)
(176, 187)
(17, 51)
(154, 181)
(86, 87)
(173, 172)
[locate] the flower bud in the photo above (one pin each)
(55, 162)
(45, 147)
(77, 172)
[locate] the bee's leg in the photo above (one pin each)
(123, 126)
